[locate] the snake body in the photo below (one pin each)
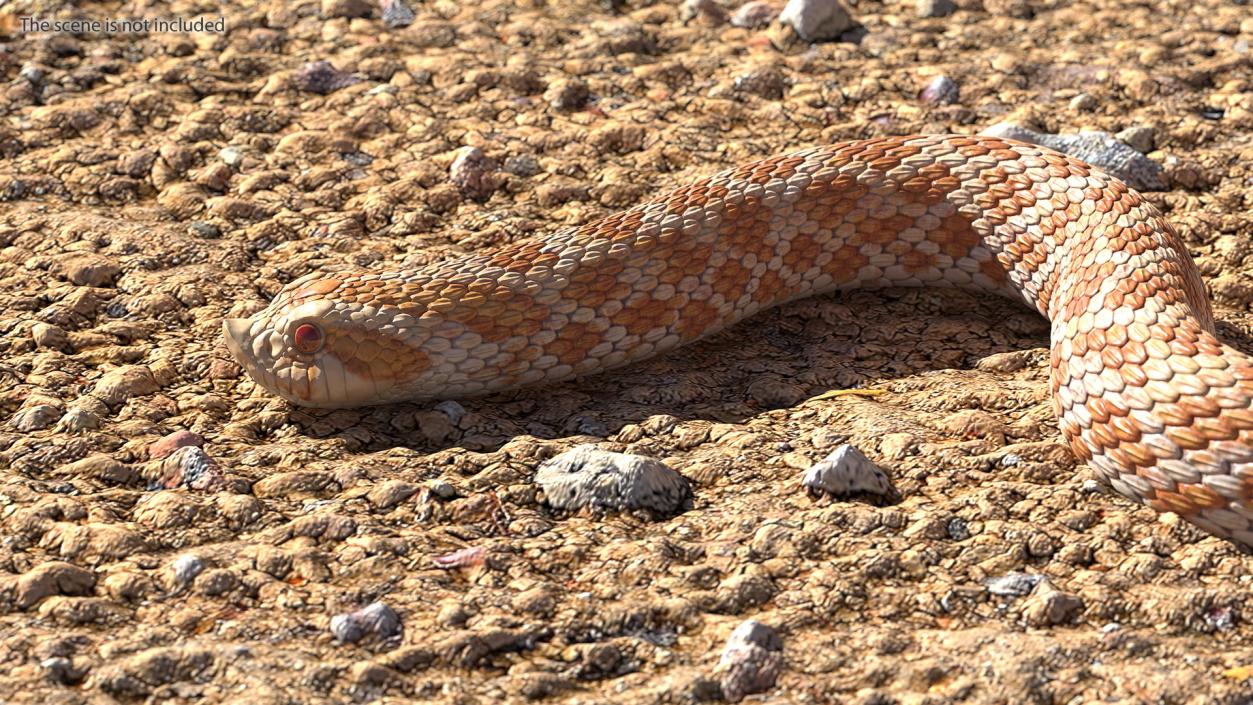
(1143, 390)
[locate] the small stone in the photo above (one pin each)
(390, 493)
(61, 670)
(935, 8)
(172, 442)
(751, 661)
(201, 229)
(1013, 584)
(1048, 606)
(895, 446)
(707, 10)
(452, 410)
(1100, 149)
(522, 165)
(374, 621)
(136, 164)
(125, 382)
(231, 156)
(397, 14)
(32, 74)
(191, 467)
(50, 337)
(35, 418)
(1084, 103)
(765, 82)
(87, 269)
(587, 477)
(846, 471)
(567, 94)
(942, 90)
(816, 20)
(185, 568)
(754, 14)
(1142, 139)
(77, 420)
(322, 77)
(474, 173)
(442, 490)
(346, 8)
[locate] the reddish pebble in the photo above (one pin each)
(174, 441)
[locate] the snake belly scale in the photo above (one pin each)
(1143, 390)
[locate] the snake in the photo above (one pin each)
(1143, 390)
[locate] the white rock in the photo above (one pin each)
(846, 471)
(816, 20)
(587, 477)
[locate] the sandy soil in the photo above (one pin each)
(154, 184)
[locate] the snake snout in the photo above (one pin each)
(236, 332)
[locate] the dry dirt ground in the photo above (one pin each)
(154, 184)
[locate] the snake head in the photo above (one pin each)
(316, 351)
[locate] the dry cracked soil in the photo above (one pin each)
(170, 533)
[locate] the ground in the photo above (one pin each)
(154, 184)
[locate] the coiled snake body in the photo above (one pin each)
(1143, 390)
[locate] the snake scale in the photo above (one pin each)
(1143, 390)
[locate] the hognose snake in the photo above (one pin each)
(1143, 390)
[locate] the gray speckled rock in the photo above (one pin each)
(1100, 149)
(587, 477)
(375, 619)
(750, 662)
(845, 471)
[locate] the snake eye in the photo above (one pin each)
(308, 338)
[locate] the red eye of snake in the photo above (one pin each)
(308, 338)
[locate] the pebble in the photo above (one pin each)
(522, 165)
(935, 8)
(77, 420)
(201, 229)
(35, 418)
(1048, 606)
(942, 90)
(846, 471)
(125, 382)
(708, 10)
(587, 477)
(169, 443)
(1100, 149)
(1142, 139)
(322, 77)
(376, 621)
(50, 337)
(346, 8)
(185, 568)
(61, 670)
(32, 74)
(751, 661)
(1084, 103)
(764, 82)
(567, 94)
(231, 156)
(474, 173)
(1013, 584)
(452, 410)
(442, 490)
(191, 467)
(754, 14)
(816, 20)
(397, 14)
(87, 269)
